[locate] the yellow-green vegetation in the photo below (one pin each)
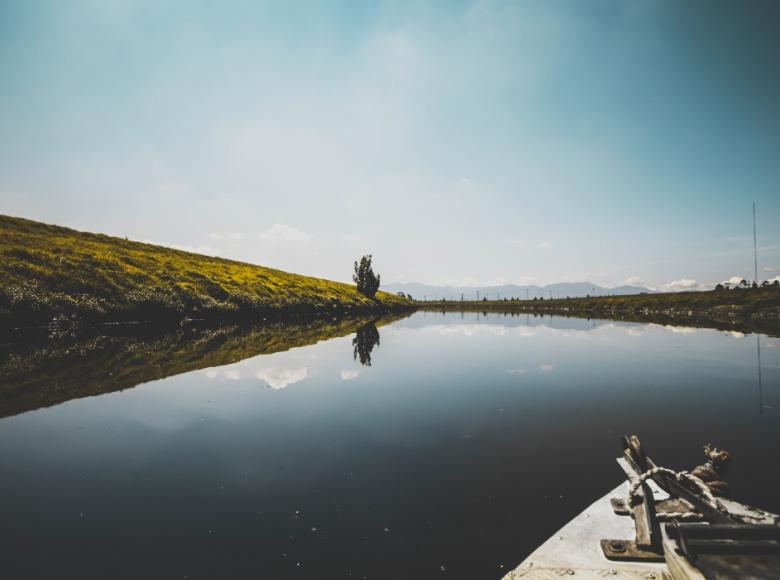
(48, 271)
(738, 309)
(43, 373)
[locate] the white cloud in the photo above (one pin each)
(215, 237)
(236, 236)
(284, 233)
(206, 250)
(771, 268)
(516, 371)
(545, 245)
(633, 281)
(680, 285)
(348, 375)
(546, 367)
(280, 378)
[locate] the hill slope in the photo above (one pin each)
(48, 270)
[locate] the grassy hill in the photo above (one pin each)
(48, 271)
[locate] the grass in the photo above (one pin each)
(50, 271)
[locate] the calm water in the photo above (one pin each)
(467, 441)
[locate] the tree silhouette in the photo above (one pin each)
(367, 282)
(366, 338)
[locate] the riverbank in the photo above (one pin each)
(744, 310)
(51, 272)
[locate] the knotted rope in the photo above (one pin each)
(678, 476)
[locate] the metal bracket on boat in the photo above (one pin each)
(629, 550)
(647, 544)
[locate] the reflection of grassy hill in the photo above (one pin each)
(47, 373)
(46, 270)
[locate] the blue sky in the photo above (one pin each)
(456, 141)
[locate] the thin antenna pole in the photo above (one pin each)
(755, 245)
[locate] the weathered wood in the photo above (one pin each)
(648, 531)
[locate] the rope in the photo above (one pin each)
(679, 476)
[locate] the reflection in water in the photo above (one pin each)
(760, 382)
(35, 374)
(301, 463)
(365, 340)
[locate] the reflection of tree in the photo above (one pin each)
(365, 340)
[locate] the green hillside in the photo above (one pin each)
(46, 271)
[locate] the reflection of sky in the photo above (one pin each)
(441, 395)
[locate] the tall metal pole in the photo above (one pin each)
(755, 245)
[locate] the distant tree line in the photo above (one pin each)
(747, 285)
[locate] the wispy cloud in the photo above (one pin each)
(348, 375)
(204, 249)
(680, 285)
(284, 233)
(282, 378)
(633, 281)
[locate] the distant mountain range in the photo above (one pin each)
(559, 290)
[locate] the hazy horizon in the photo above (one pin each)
(462, 143)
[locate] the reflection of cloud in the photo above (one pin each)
(516, 371)
(281, 378)
(736, 334)
(284, 233)
(634, 332)
(233, 375)
(211, 373)
(348, 375)
(546, 367)
(472, 329)
(681, 329)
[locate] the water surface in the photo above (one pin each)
(449, 449)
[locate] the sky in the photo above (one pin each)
(458, 142)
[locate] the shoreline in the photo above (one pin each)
(748, 310)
